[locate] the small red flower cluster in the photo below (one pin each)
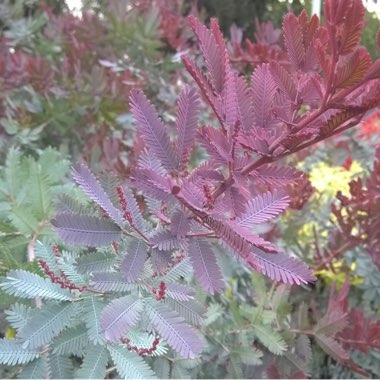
(123, 203)
(55, 249)
(161, 292)
(141, 351)
(62, 280)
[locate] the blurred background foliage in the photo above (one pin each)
(64, 85)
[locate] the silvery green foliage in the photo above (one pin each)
(86, 324)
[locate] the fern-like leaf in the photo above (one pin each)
(21, 283)
(283, 80)
(92, 308)
(179, 292)
(262, 208)
(332, 347)
(180, 224)
(92, 187)
(119, 315)
(152, 129)
(111, 282)
(163, 240)
(12, 353)
(191, 311)
(38, 369)
(96, 262)
(212, 53)
(94, 363)
(133, 262)
(186, 124)
(179, 335)
(86, 230)
(294, 40)
(205, 266)
(61, 367)
(271, 339)
(264, 90)
(18, 314)
(46, 324)
(71, 341)
(129, 365)
(281, 267)
(276, 175)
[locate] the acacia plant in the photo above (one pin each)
(126, 298)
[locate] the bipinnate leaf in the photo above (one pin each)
(72, 341)
(163, 240)
(263, 208)
(283, 80)
(333, 322)
(280, 267)
(186, 124)
(12, 353)
(294, 40)
(205, 266)
(191, 311)
(133, 262)
(94, 364)
(244, 95)
(134, 210)
(18, 314)
(179, 292)
(46, 324)
(264, 89)
(37, 369)
(110, 282)
(119, 315)
(276, 175)
(332, 347)
(239, 238)
(180, 224)
(86, 230)
(180, 336)
(353, 27)
(129, 365)
(152, 129)
(61, 367)
(352, 68)
(92, 187)
(271, 339)
(92, 308)
(21, 283)
(213, 53)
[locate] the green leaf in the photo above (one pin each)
(92, 308)
(61, 367)
(38, 369)
(213, 313)
(248, 355)
(96, 262)
(46, 324)
(18, 315)
(72, 341)
(94, 363)
(234, 368)
(21, 283)
(271, 339)
(332, 347)
(12, 353)
(23, 220)
(161, 367)
(129, 365)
